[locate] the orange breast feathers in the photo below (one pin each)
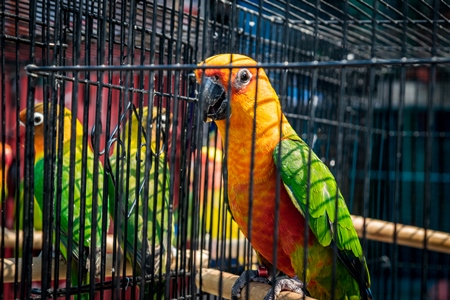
(291, 227)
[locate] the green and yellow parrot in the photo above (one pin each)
(131, 159)
(83, 175)
(279, 151)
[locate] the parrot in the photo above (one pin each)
(156, 216)
(5, 150)
(86, 258)
(241, 101)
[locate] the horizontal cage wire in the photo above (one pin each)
(128, 119)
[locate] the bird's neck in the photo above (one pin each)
(39, 149)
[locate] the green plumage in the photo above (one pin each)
(132, 164)
(37, 213)
(77, 196)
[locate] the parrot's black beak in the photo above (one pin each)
(215, 99)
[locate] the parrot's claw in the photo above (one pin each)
(285, 284)
(246, 276)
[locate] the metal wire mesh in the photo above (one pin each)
(364, 83)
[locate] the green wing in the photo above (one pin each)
(292, 164)
(36, 208)
(89, 197)
(132, 193)
(77, 192)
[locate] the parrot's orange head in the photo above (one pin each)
(37, 120)
(219, 86)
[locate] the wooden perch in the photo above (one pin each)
(10, 239)
(10, 269)
(411, 236)
(211, 280)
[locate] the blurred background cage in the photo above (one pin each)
(364, 83)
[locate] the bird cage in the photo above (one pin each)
(102, 130)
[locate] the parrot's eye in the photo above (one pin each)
(38, 118)
(243, 77)
(215, 78)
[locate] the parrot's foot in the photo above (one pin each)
(246, 277)
(284, 284)
(60, 256)
(96, 262)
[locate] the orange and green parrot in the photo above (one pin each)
(282, 166)
(81, 197)
(132, 162)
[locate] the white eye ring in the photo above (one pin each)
(38, 118)
(243, 77)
